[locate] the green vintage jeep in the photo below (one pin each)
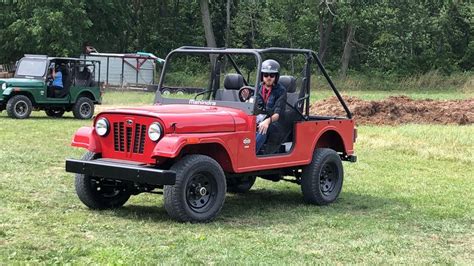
(31, 89)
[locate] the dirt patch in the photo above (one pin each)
(400, 110)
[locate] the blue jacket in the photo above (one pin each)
(276, 102)
(58, 79)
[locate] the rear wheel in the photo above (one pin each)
(322, 180)
(100, 193)
(54, 112)
(83, 108)
(19, 107)
(199, 192)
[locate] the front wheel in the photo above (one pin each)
(322, 180)
(199, 192)
(100, 193)
(19, 107)
(83, 108)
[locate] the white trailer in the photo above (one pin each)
(126, 70)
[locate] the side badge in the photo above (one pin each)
(247, 142)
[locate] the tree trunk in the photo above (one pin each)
(346, 56)
(324, 35)
(206, 22)
(227, 25)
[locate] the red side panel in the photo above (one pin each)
(306, 133)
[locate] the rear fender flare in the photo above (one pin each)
(336, 143)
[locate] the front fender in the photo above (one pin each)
(169, 146)
(85, 138)
(7, 91)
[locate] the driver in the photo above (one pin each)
(271, 99)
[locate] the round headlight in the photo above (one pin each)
(4, 86)
(102, 127)
(155, 131)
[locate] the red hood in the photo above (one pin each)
(186, 118)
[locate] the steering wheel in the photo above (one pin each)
(245, 93)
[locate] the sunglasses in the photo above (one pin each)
(271, 75)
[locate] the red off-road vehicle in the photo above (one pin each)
(200, 146)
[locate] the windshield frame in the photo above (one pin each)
(45, 60)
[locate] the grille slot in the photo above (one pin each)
(123, 140)
(119, 136)
(129, 138)
(139, 141)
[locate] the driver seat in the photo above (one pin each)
(275, 141)
(232, 84)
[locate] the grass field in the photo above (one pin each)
(408, 200)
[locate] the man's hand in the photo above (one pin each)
(263, 126)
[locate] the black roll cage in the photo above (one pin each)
(251, 107)
(75, 61)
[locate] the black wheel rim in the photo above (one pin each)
(21, 108)
(85, 109)
(106, 189)
(201, 192)
(328, 179)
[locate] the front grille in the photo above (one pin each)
(127, 139)
(139, 142)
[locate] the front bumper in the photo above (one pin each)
(120, 170)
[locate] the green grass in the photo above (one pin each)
(407, 200)
(428, 86)
(127, 98)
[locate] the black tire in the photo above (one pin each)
(240, 185)
(54, 112)
(99, 193)
(322, 180)
(19, 107)
(199, 192)
(83, 108)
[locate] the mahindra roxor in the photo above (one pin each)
(197, 147)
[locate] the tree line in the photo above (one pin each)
(390, 37)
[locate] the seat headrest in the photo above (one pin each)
(233, 81)
(289, 82)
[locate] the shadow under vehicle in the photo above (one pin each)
(28, 90)
(196, 148)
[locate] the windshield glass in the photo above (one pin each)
(31, 67)
(206, 77)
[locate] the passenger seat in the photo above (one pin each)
(232, 84)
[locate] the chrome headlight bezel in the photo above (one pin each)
(155, 131)
(4, 86)
(102, 127)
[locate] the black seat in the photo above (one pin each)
(83, 78)
(232, 84)
(291, 98)
(289, 118)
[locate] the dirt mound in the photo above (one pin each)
(400, 110)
